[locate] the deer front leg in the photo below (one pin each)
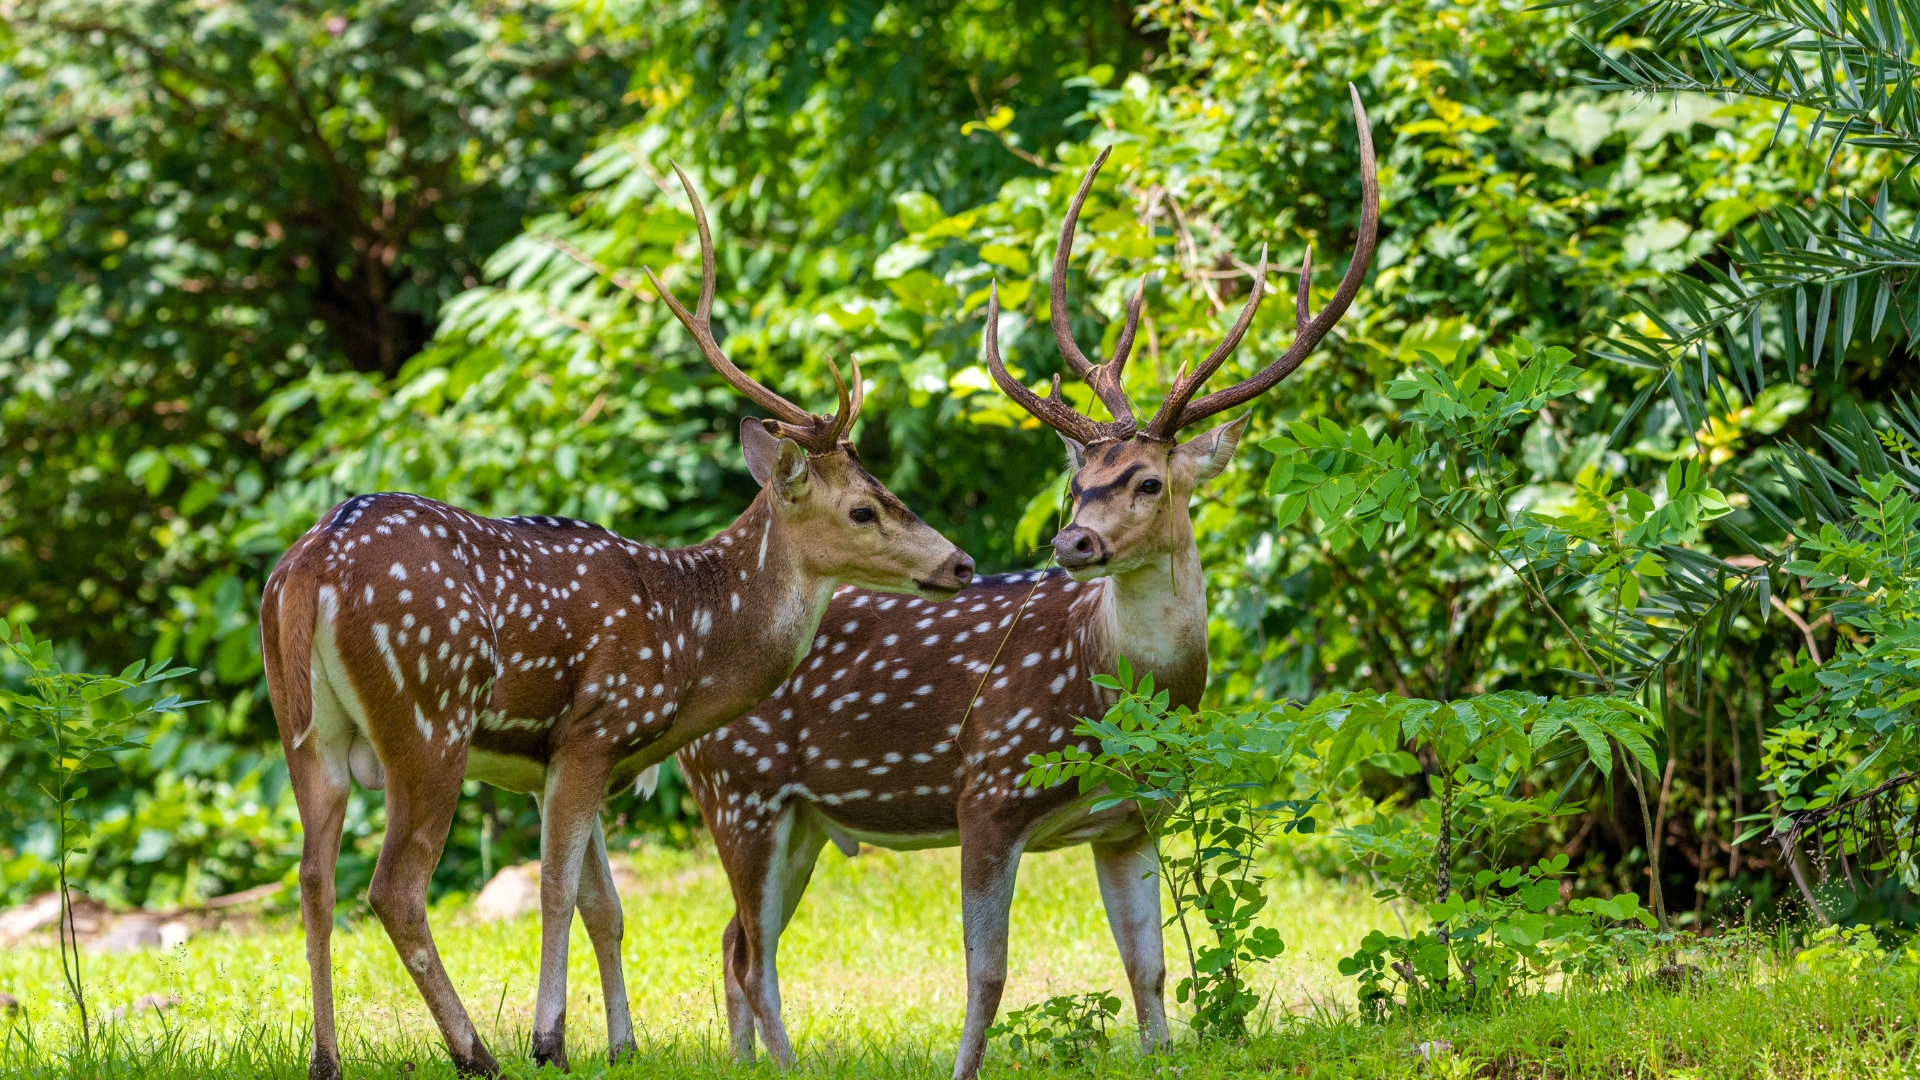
(600, 911)
(989, 864)
(570, 811)
(1130, 887)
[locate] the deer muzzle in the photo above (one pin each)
(954, 574)
(1076, 546)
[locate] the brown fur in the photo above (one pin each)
(410, 645)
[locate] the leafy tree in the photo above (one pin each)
(1806, 288)
(203, 204)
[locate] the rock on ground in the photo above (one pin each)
(513, 892)
(142, 930)
(42, 913)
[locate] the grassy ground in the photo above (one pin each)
(873, 978)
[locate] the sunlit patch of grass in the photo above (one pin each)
(873, 973)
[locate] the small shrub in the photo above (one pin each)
(1204, 782)
(1065, 1029)
(1502, 940)
(79, 720)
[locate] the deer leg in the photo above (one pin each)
(320, 788)
(569, 815)
(733, 959)
(763, 904)
(420, 805)
(988, 868)
(606, 925)
(1130, 886)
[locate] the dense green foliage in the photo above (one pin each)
(259, 259)
(202, 205)
(1821, 283)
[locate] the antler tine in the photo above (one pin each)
(1051, 410)
(1057, 291)
(1107, 379)
(859, 392)
(1123, 348)
(849, 409)
(1166, 421)
(1310, 333)
(816, 433)
(703, 308)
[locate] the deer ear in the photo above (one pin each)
(1209, 453)
(773, 460)
(1076, 454)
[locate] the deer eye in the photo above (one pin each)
(861, 514)
(1149, 485)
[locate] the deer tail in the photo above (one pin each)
(288, 609)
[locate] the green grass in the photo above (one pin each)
(873, 978)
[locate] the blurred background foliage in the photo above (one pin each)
(258, 258)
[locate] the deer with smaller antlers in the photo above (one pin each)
(410, 645)
(908, 724)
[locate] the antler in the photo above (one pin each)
(818, 433)
(1179, 410)
(1105, 379)
(1053, 410)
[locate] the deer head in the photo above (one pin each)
(1126, 479)
(843, 524)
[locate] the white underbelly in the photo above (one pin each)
(900, 841)
(1073, 824)
(507, 771)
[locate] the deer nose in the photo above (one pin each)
(1076, 546)
(961, 567)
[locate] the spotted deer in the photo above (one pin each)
(908, 722)
(410, 645)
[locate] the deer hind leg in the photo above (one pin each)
(606, 925)
(733, 961)
(320, 788)
(769, 868)
(420, 806)
(569, 817)
(989, 866)
(1130, 886)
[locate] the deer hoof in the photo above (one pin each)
(550, 1048)
(323, 1067)
(479, 1063)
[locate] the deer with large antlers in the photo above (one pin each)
(410, 645)
(908, 723)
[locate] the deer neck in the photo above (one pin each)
(1156, 617)
(753, 611)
